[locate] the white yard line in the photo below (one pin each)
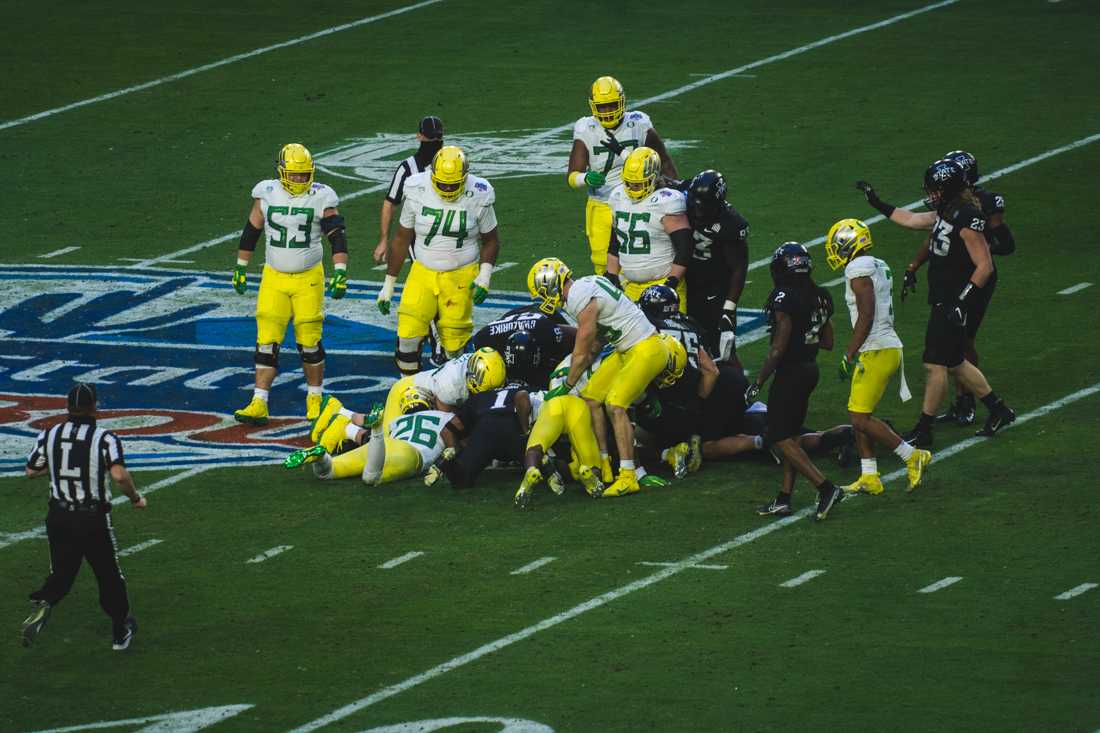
(503, 266)
(693, 567)
(663, 574)
(133, 549)
(167, 262)
(831, 283)
(58, 252)
(214, 65)
(800, 579)
(690, 87)
(533, 566)
(1076, 591)
(268, 554)
(940, 584)
(389, 564)
(1074, 288)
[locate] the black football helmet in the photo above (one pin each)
(706, 197)
(521, 353)
(659, 302)
(967, 162)
(790, 260)
(943, 181)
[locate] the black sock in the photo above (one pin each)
(783, 499)
(965, 400)
(925, 422)
(991, 400)
(825, 486)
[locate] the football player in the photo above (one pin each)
(452, 216)
(295, 213)
(799, 313)
(651, 240)
(602, 311)
(959, 269)
(601, 144)
(873, 353)
(719, 263)
(529, 359)
(400, 449)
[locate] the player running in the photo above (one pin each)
(601, 144)
(294, 213)
(451, 214)
(873, 354)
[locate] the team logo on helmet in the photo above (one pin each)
(640, 173)
(414, 399)
(295, 167)
(546, 282)
(677, 361)
(846, 239)
(449, 171)
(485, 370)
(607, 101)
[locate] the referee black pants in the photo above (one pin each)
(74, 537)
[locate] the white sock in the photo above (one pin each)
(260, 394)
(605, 456)
(868, 466)
(639, 473)
(758, 442)
(904, 450)
(351, 430)
(310, 389)
(627, 465)
(346, 413)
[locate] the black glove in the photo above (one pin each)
(957, 314)
(908, 283)
(672, 281)
(613, 278)
(750, 393)
(612, 144)
(873, 199)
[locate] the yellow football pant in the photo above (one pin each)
(402, 461)
(428, 294)
(286, 295)
(597, 227)
(869, 384)
(392, 410)
(570, 415)
(622, 377)
(634, 291)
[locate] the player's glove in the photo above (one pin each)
(480, 285)
(872, 198)
(672, 282)
(595, 179)
(480, 293)
(849, 367)
(908, 283)
(240, 280)
(385, 295)
(727, 330)
(613, 145)
(337, 284)
(957, 314)
(751, 392)
(560, 391)
(653, 481)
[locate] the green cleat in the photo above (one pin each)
(302, 456)
(373, 416)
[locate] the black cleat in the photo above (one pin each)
(918, 438)
(846, 454)
(826, 500)
(951, 416)
(775, 509)
(125, 635)
(997, 419)
(40, 614)
(964, 410)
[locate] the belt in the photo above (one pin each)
(92, 508)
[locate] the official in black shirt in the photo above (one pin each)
(429, 135)
(79, 456)
(799, 313)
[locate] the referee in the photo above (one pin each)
(430, 136)
(79, 456)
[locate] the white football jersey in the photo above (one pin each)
(630, 133)
(448, 382)
(619, 320)
(424, 431)
(882, 334)
(645, 249)
(292, 224)
(447, 232)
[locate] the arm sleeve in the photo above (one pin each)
(396, 193)
(36, 461)
(613, 243)
(684, 244)
(1001, 241)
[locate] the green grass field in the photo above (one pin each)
(604, 643)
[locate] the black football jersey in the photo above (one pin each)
(493, 402)
(809, 307)
(553, 340)
(715, 245)
(686, 331)
(949, 263)
(992, 204)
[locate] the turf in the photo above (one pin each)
(320, 625)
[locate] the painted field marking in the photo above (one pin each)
(214, 65)
(268, 554)
(503, 266)
(533, 565)
(185, 721)
(690, 87)
(831, 283)
(940, 584)
(800, 579)
(58, 252)
(662, 574)
(133, 549)
(1076, 591)
(167, 262)
(693, 567)
(1074, 288)
(399, 560)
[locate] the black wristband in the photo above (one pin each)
(672, 281)
(249, 236)
(969, 291)
(883, 207)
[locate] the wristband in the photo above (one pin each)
(672, 281)
(484, 274)
(884, 208)
(387, 288)
(340, 267)
(966, 291)
(576, 180)
(729, 305)
(242, 263)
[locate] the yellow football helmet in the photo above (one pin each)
(607, 101)
(640, 173)
(485, 370)
(294, 160)
(846, 239)
(546, 282)
(414, 399)
(449, 170)
(677, 361)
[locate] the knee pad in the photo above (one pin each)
(312, 354)
(267, 355)
(407, 355)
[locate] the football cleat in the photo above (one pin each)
(606, 474)
(449, 171)
(33, 625)
(294, 165)
(527, 487)
(640, 173)
(676, 458)
(775, 508)
(607, 102)
(553, 479)
(334, 434)
(330, 407)
(254, 414)
(695, 454)
(372, 418)
(999, 417)
(826, 500)
(626, 483)
(125, 635)
(868, 483)
(437, 471)
(915, 467)
(653, 481)
(302, 456)
(313, 406)
(590, 481)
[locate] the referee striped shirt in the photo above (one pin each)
(79, 456)
(409, 166)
